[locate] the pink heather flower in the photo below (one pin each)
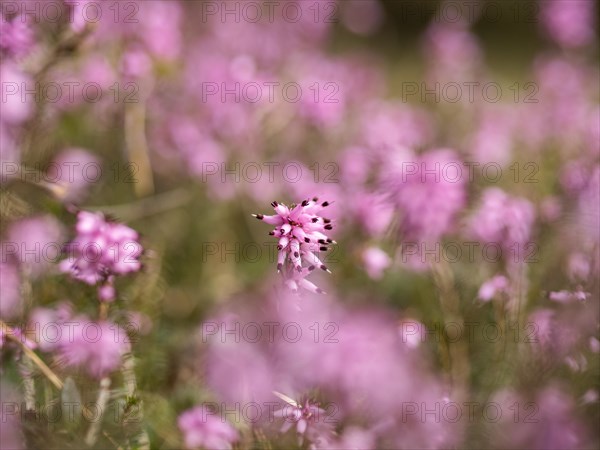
(96, 347)
(375, 261)
(491, 288)
(577, 363)
(570, 23)
(10, 294)
(579, 267)
(202, 430)
(429, 192)
(412, 333)
(237, 372)
(15, 110)
(387, 126)
(17, 333)
(49, 325)
(590, 396)
(550, 208)
(37, 242)
(568, 296)
(22, 336)
(560, 334)
(101, 250)
(452, 50)
(556, 425)
(565, 109)
(161, 37)
(78, 23)
(502, 219)
(323, 112)
(136, 64)
(372, 211)
(492, 140)
(106, 292)
(306, 416)
(301, 232)
(16, 36)
(573, 176)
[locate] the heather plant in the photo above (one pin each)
(428, 278)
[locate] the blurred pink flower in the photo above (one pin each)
(372, 211)
(49, 325)
(201, 429)
(387, 126)
(412, 333)
(136, 64)
(558, 335)
(590, 396)
(568, 296)
(78, 22)
(100, 250)
(355, 164)
(564, 109)
(553, 423)
(453, 53)
(493, 287)
(550, 208)
(428, 192)
(573, 176)
(10, 295)
(161, 37)
(570, 23)
(375, 261)
(492, 141)
(16, 36)
(239, 373)
(36, 242)
(16, 106)
(502, 219)
(579, 266)
(96, 347)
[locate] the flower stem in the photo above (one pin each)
(103, 311)
(102, 400)
(450, 305)
(26, 369)
(130, 382)
(8, 331)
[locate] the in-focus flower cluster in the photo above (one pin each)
(301, 232)
(101, 250)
